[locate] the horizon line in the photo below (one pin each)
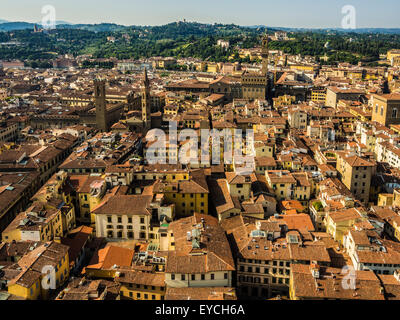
(64, 22)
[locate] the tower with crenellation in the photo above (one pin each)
(146, 102)
(255, 84)
(264, 54)
(101, 104)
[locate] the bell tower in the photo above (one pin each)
(264, 53)
(101, 105)
(146, 111)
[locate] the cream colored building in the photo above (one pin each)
(356, 174)
(297, 119)
(126, 217)
(338, 223)
(239, 185)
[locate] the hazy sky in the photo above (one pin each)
(283, 13)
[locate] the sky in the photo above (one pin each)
(273, 13)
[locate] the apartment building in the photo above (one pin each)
(189, 195)
(282, 182)
(139, 285)
(41, 222)
(28, 282)
(297, 119)
(123, 217)
(368, 251)
(338, 223)
(266, 251)
(356, 173)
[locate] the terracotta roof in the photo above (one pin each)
(344, 215)
(108, 257)
(76, 240)
(220, 196)
(296, 221)
(329, 284)
(356, 161)
(143, 278)
(214, 253)
(203, 293)
(125, 205)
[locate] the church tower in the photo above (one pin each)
(146, 111)
(101, 105)
(264, 54)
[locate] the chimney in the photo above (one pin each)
(315, 270)
(203, 223)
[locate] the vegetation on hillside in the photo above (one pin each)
(187, 40)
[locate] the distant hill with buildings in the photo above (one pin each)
(110, 27)
(188, 40)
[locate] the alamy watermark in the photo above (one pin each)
(49, 280)
(49, 17)
(237, 147)
(349, 280)
(349, 20)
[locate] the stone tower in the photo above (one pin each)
(101, 105)
(264, 54)
(146, 111)
(255, 85)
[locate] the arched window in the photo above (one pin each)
(394, 113)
